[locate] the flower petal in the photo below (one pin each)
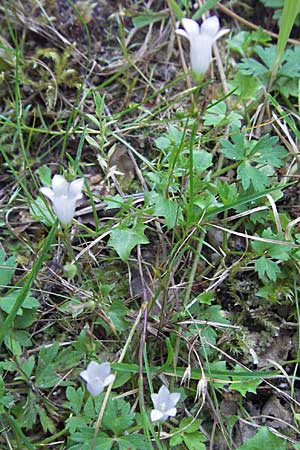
(221, 33)
(156, 415)
(210, 26)
(104, 369)
(201, 53)
(163, 394)
(171, 412)
(75, 188)
(94, 370)
(191, 27)
(109, 380)
(155, 400)
(95, 387)
(64, 209)
(47, 192)
(84, 374)
(60, 185)
(174, 398)
(181, 32)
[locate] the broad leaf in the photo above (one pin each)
(124, 239)
(264, 439)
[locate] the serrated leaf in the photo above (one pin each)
(75, 423)
(276, 251)
(249, 66)
(264, 439)
(234, 150)
(75, 399)
(251, 175)
(134, 442)
(85, 438)
(193, 441)
(265, 267)
(46, 421)
(243, 386)
(124, 239)
(117, 416)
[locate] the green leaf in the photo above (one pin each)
(205, 298)
(75, 399)
(85, 438)
(41, 212)
(265, 267)
(215, 115)
(265, 151)
(218, 366)
(267, 249)
(117, 312)
(47, 423)
(167, 208)
(202, 160)
(7, 303)
(234, 150)
(176, 9)
(7, 268)
(1, 395)
(264, 439)
(124, 239)
(117, 417)
(134, 442)
(209, 4)
(193, 441)
(143, 20)
(291, 9)
(251, 175)
(75, 423)
(190, 434)
(44, 174)
(176, 440)
(243, 386)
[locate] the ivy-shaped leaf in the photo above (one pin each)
(124, 239)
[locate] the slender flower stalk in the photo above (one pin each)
(97, 377)
(63, 196)
(164, 404)
(201, 41)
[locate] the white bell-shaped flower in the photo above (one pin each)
(97, 377)
(63, 196)
(201, 41)
(164, 404)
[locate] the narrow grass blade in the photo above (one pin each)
(30, 279)
(291, 9)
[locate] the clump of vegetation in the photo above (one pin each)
(149, 250)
